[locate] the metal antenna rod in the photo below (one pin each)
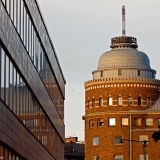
(123, 21)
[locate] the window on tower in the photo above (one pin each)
(138, 72)
(88, 103)
(149, 121)
(148, 101)
(100, 101)
(141, 157)
(129, 100)
(159, 122)
(93, 102)
(118, 157)
(101, 73)
(91, 123)
(119, 100)
(110, 101)
(95, 157)
(153, 74)
(139, 101)
(143, 137)
(100, 122)
(119, 72)
(112, 121)
(125, 122)
(95, 141)
(137, 121)
(117, 139)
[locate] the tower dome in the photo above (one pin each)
(124, 60)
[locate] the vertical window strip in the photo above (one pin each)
(7, 76)
(2, 73)
(0, 67)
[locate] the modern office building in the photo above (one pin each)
(122, 102)
(32, 86)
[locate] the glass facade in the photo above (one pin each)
(31, 86)
(7, 154)
(22, 21)
(17, 96)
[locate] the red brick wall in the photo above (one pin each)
(106, 148)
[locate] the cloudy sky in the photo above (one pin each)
(81, 31)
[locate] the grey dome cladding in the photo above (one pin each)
(124, 58)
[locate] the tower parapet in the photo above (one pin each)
(124, 41)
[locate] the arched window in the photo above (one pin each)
(88, 103)
(110, 101)
(91, 123)
(148, 101)
(129, 100)
(100, 101)
(93, 102)
(139, 101)
(119, 100)
(72, 149)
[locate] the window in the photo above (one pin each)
(138, 72)
(137, 121)
(148, 101)
(112, 121)
(119, 100)
(139, 101)
(158, 122)
(129, 100)
(117, 139)
(72, 149)
(91, 123)
(125, 122)
(101, 73)
(88, 103)
(143, 137)
(93, 102)
(153, 74)
(110, 101)
(141, 157)
(100, 101)
(95, 141)
(96, 158)
(118, 157)
(149, 121)
(119, 72)
(100, 122)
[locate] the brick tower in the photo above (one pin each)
(122, 102)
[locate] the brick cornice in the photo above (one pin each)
(122, 80)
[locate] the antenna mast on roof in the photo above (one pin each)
(123, 21)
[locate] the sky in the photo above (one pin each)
(81, 31)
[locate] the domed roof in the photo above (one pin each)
(124, 55)
(124, 58)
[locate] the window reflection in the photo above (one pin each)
(7, 81)
(7, 154)
(18, 87)
(14, 92)
(2, 73)
(17, 96)
(11, 87)
(21, 20)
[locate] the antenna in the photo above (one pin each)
(123, 21)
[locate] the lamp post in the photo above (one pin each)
(143, 143)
